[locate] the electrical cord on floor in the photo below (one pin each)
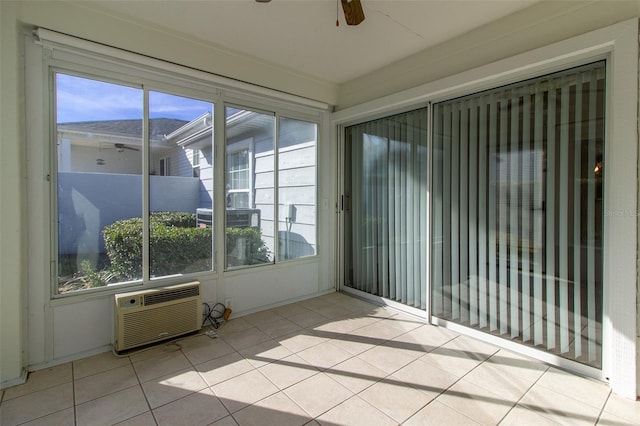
(213, 315)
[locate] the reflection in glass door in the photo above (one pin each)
(517, 212)
(385, 206)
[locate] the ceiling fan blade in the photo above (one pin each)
(353, 12)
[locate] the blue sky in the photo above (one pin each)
(81, 99)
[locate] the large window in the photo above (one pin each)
(100, 204)
(135, 191)
(270, 188)
(518, 212)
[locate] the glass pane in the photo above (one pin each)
(99, 183)
(518, 213)
(385, 207)
(249, 187)
(296, 188)
(180, 205)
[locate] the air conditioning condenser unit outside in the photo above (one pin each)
(149, 316)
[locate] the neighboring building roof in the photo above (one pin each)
(126, 128)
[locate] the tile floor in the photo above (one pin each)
(331, 360)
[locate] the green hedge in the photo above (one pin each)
(176, 246)
(245, 247)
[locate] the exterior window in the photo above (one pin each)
(296, 188)
(100, 190)
(270, 188)
(165, 166)
(238, 180)
(177, 243)
(518, 212)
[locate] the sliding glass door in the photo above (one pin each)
(385, 205)
(517, 215)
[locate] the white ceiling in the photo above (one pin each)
(301, 35)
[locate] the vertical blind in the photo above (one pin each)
(517, 212)
(385, 207)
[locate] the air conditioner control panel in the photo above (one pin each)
(129, 302)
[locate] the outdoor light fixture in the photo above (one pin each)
(99, 161)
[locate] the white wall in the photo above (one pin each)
(12, 244)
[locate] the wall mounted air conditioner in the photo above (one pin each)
(149, 316)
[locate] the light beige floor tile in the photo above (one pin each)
(65, 417)
(226, 421)
(196, 409)
(425, 338)
(396, 400)
(405, 322)
(520, 415)
(307, 319)
(300, 341)
(265, 353)
(493, 378)
(41, 379)
(203, 348)
(36, 404)
(292, 309)
(161, 363)
(234, 325)
(425, 377)
(101, 384)
(584, 390)
(355, 374)
(330, 310)
(144, 419)
(246, 338)
(224, 368)
(335, 325)
(353, 344)
(453, 361)
(388, 359)
(380, 331)
(318, 394)
(277, 409)
(174, 386)
(355, 412)
(623, 408)
(472, 347)
(438, 414)
(243, 390)
(324, 355)
(288, 371)
(261, 317)
(558, 407)
(609, 419)
(279, 327)
(113, 408)
(97, 364)
(518, 365)
(475, 402)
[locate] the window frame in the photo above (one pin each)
(65, 54)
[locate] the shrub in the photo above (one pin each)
(176, 246)
(246, 247)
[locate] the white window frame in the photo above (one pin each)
(618, 44)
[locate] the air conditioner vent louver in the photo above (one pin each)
(150, 316)
(169, 295)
